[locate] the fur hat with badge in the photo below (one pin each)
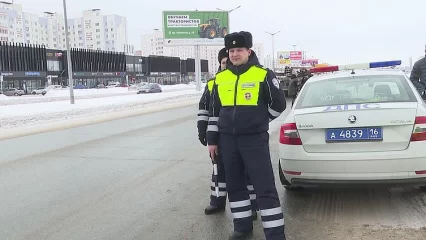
(239, 40)
(223, 53)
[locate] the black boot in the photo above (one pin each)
(254, 215)
(212, 210)
(240, 235)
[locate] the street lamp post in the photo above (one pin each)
(273, 48)
(229, 11)
(70, 80)
(294, 46)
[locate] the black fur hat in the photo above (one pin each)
(223, 53)
(239, 40)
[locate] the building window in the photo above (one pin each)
(53, 66)
(130, 67)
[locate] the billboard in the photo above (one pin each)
(296, 55)
(190, 28)
(310, 62)
(293, 58)
(284, 58)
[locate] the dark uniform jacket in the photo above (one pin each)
(237, 120)
(418, 75)
(203, 109)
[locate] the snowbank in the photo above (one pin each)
(60, 106)
(110, 91)
(3, 97)
(27, 114)
(86, 92)
(71, 122)
(63, 95)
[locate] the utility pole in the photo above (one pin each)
(273, 48)
(70, 73)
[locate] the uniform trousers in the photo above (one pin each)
(220, 201)
(250, 152)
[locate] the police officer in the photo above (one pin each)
(245, 98)
(419, 73)
(217, 204)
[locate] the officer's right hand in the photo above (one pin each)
(212, 151)
(202, 138)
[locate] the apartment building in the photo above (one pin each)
(91, 31)
(152, 44)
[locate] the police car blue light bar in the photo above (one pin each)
(356, 66)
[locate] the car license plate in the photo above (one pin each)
(354, 134)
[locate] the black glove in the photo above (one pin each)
(202, 138)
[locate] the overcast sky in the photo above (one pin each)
(335, 31)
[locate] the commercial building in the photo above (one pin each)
(91, 31)
(29, 67)
(22, 65)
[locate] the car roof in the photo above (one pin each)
(348, 73)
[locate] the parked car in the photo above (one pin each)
(150, 88)
(13, 92)
(52, 87)
(37, 91)
(135, 87)
(113, 84)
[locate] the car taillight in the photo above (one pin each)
(419, 131)
(289, 134)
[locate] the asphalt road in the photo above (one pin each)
(149, 178)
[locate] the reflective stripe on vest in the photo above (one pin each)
(210, 85)
(247, 91)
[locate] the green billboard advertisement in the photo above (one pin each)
(195, 27)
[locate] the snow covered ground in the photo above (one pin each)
(63, 95)
(17, 115)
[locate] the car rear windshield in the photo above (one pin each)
(355, 89)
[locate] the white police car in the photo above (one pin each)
(355, 127)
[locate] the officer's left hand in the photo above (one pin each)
(212, 151)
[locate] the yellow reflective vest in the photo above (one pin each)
(244, 103)
(242, 90)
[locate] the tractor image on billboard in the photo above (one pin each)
(212, 29)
